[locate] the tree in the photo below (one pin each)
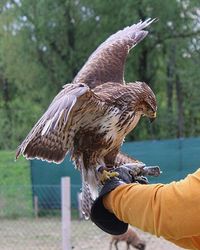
(44, 44)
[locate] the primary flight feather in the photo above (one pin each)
(91, 116)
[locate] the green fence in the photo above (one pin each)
(176, 159)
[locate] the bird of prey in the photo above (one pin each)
(90, 117)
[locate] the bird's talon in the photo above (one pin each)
(106, 175)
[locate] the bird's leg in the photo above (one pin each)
(116, 242)
(137, 169)
(106, 174)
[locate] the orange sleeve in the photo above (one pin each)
(171, 211)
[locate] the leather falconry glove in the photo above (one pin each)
(127, 173)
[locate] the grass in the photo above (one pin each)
(15, 190)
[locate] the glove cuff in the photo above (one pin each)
(104, 219)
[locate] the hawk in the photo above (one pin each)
(90, 117)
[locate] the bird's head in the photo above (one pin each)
(149, 108)
(148, 104)
(146, 100)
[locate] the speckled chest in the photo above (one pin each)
(103, 133)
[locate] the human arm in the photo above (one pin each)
(171, 210)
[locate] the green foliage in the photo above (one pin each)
(13, 172)
(43, 44)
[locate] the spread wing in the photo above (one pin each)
(106, 64)
(51, 137)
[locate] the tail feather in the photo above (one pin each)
(87, 200)
(89, 189)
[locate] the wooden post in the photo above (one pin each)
(36, 207)
(66, 213)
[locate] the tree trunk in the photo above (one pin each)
(8, 113)
(6, 98)
(180, 108)
(71, 38)
(170, 78)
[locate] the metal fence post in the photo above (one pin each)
(66, 213)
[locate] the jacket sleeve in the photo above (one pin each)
(171, 211)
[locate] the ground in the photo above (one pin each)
(45, 234)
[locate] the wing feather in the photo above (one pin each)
(106, 64)
(50, 138)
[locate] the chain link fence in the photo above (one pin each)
(26, 223)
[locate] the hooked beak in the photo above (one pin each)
(153, 117)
